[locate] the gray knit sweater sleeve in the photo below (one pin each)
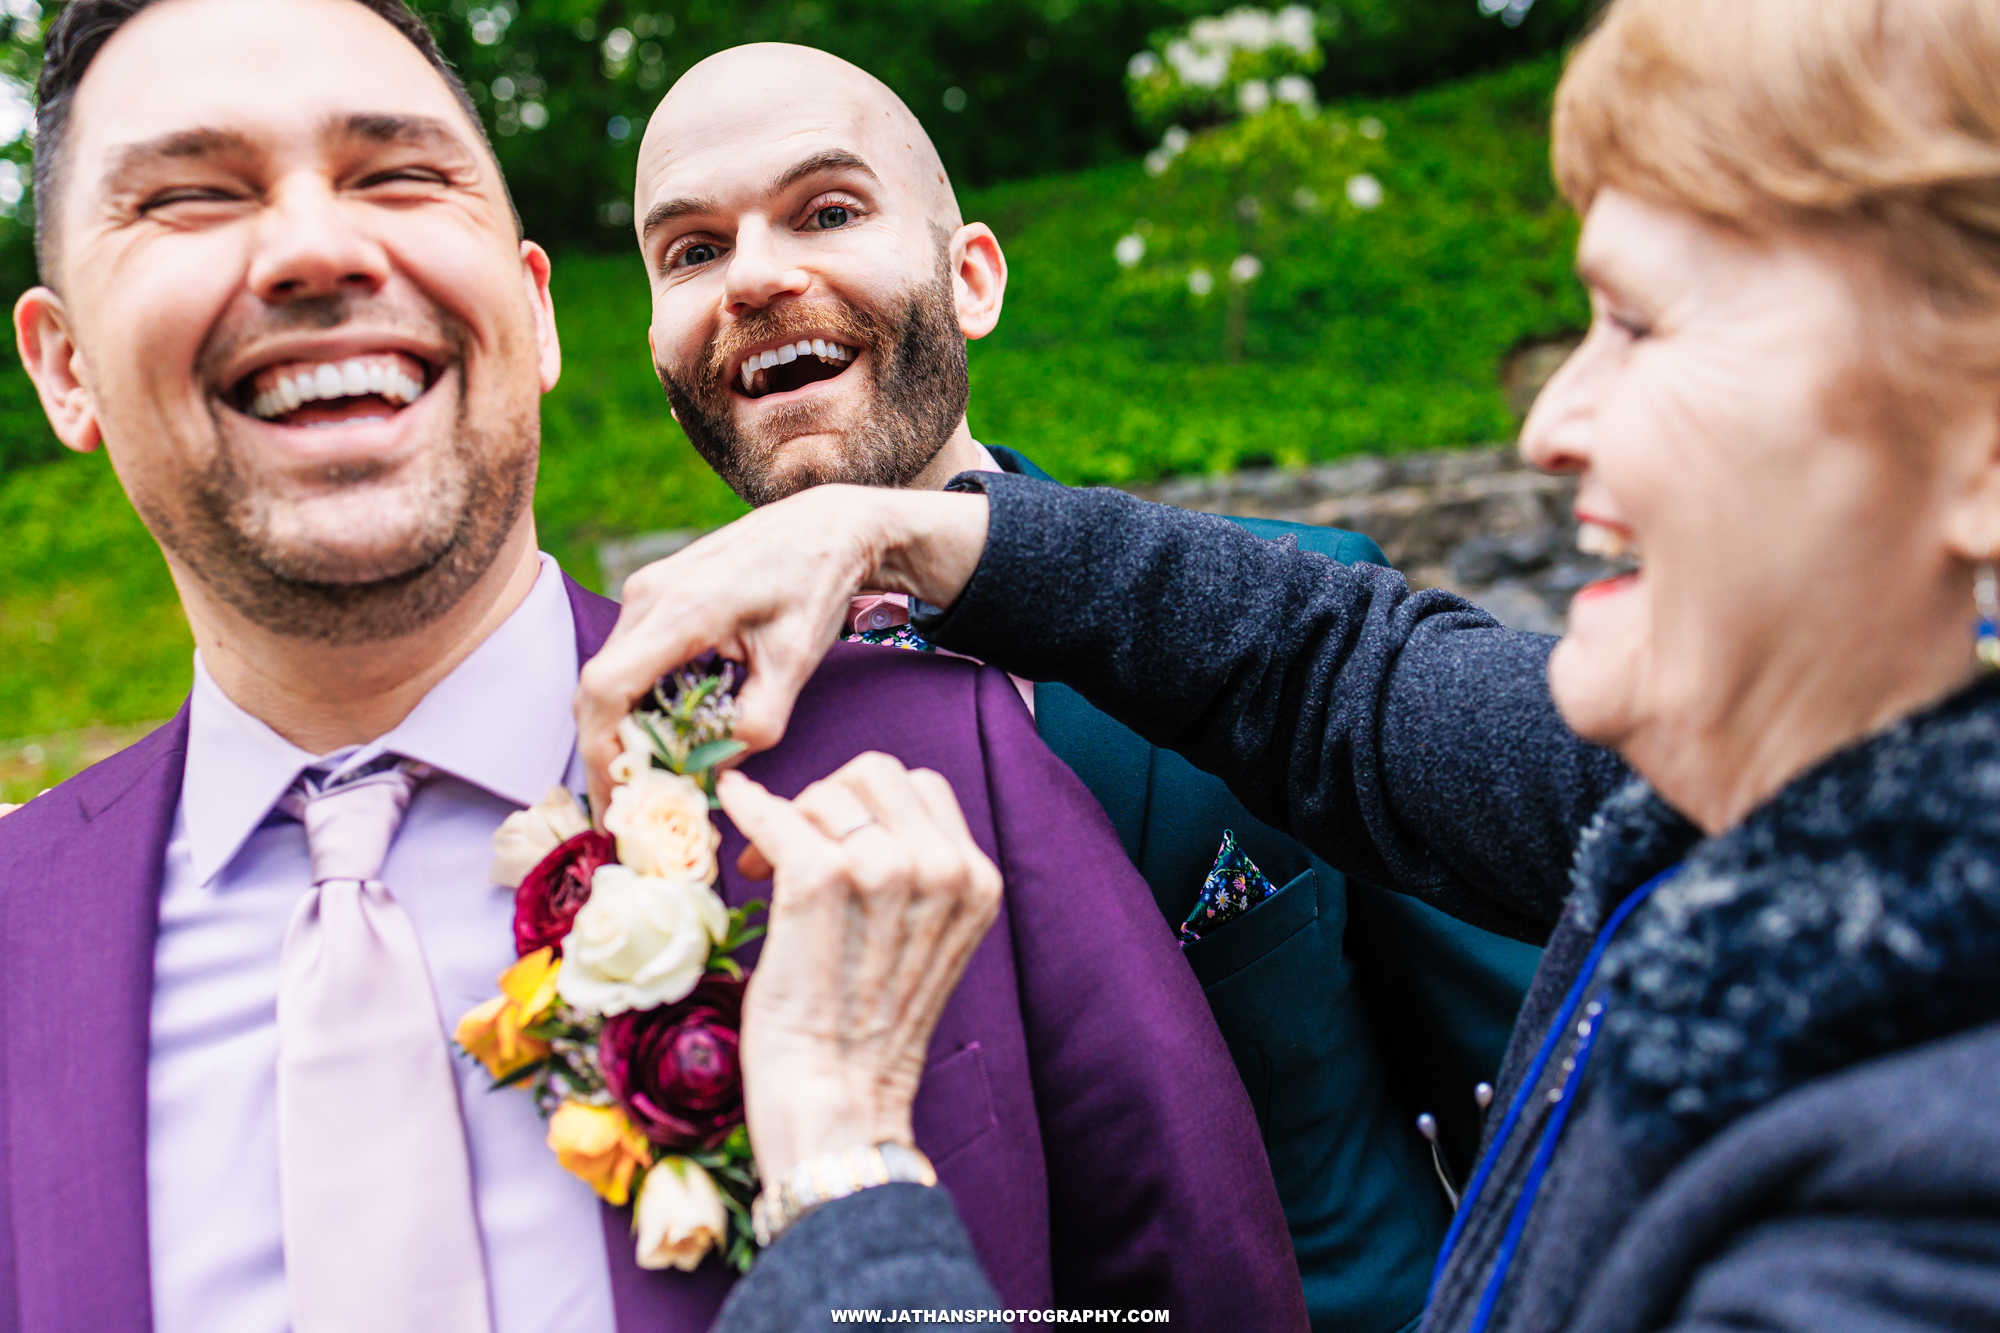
(897, 1247)
(1403, 736)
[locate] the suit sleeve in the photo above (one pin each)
(1804, 1274)
(1160, 1192)
(898, 1247)
(1405, 737)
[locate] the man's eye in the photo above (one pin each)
(192, 195)
(701, 252)
(832, 216)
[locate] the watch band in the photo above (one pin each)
(831, 1176)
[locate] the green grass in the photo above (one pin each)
(1369, 331)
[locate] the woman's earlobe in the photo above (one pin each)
(55, 363)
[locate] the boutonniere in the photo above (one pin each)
(622, 1016)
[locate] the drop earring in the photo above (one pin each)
(1986, 594)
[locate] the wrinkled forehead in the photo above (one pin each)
(731, 143)
(268, 75)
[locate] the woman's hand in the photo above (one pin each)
(880, 898)
(770, 591)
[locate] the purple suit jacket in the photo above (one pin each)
(1079, 1103)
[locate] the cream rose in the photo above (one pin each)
(635, 755)
(680, 1216)
(641, 941)
(662, 826)
(526, 836)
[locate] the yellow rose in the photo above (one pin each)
(680, 1216)
(599, 1145)
(526, 836)
(493, 1033)
(662, 826)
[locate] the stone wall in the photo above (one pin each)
(1477, 521)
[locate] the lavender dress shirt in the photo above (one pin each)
(500, 733)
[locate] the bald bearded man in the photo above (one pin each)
(814, 287)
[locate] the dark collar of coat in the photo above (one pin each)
(1854, 914)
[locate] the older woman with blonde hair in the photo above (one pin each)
(1751, 800)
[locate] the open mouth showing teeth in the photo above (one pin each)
(334, 393)
(792, 366)
(1615, 548)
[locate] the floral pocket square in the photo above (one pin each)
(1232, 888)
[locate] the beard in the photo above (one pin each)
(437, 533)
(918, 388)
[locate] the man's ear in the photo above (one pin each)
(55, 363)
(979, 278)
(535, 269)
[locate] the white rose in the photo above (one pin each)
(662, 826)
(680, 1216)
(640, 942)
(6, 809)
(526, 836)
(635, 755)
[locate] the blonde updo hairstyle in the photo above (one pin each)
(1874, 122)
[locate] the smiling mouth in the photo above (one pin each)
(1617, 549)
(321, 394)
(792, 365)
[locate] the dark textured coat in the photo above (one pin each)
(1347, 1008)
(1794, 1121)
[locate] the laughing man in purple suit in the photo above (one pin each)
(287, 293)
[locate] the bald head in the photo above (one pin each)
(771, 93)
(813, 283)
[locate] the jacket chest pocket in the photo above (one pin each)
(954, 1104)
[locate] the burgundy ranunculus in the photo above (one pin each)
(559, 885)
(675, 1070)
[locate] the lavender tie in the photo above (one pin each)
(376, 1191)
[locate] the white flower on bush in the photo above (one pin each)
(1364, 191)
(526, 836)
(1131, 248)
(680, 1216)
(1296, 89)
(1245, 268)
(641, 941)
(1200, 282)
(1253, 97)
(1175, 140)
(1143, 66)
(661, 822)
(1198, 67)
(1372, 128)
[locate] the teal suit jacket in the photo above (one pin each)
(1348, 1009)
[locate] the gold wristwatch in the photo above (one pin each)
(831, 1176)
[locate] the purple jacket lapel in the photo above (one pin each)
(80, 873)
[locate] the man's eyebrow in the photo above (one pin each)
(672, 210)
(389, 128)
(180, 145)
(833, 159)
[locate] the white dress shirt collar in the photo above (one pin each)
(500, 720)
